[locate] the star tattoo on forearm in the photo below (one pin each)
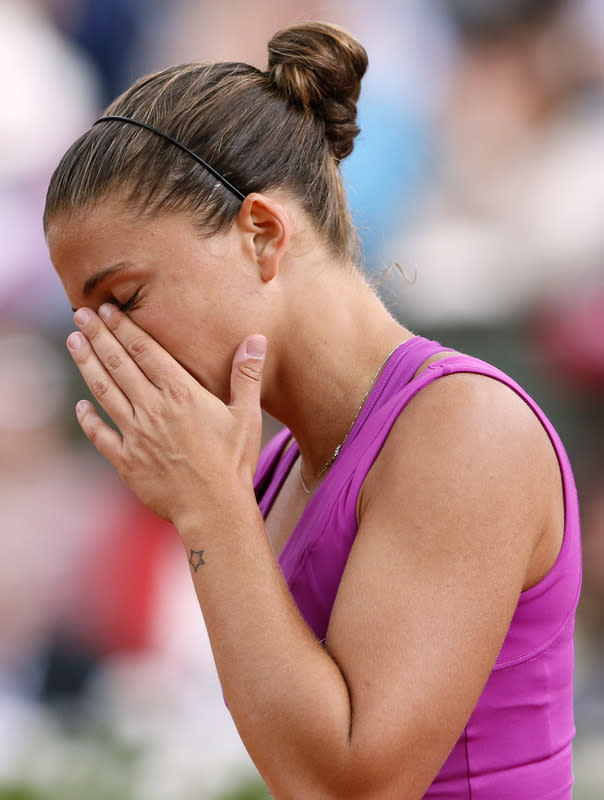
(196, 559)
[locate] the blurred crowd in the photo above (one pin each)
(477, 185)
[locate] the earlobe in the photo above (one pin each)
(267, 228)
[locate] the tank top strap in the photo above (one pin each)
(534, 603)
(395, 387)
(276, 460)
(461, 363)
(267, 480)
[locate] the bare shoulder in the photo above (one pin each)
(471, 441)
(468, 418)
(479, 415)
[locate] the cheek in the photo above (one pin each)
(203, 349)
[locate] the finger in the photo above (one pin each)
(160, 368)
(98, 380)
(107, 441)
(246, 374)
(124, 371)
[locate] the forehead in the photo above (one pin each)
(103, 225)
(82, 243)
(98, 227)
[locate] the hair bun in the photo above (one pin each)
(319, 66)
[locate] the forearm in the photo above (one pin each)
(288, 698)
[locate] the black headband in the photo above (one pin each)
(239, 195)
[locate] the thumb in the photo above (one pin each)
(246, 374)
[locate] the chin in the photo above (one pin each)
(220, 390)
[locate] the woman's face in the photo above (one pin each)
(197, 297)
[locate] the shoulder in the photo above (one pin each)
(472, 442)
(468, 410)
(466, 414)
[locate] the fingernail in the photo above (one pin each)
(82, 316)
(74, 341)
(105, 311)
(81, 408)
(256, 347)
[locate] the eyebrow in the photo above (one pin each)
(98, 277)
(93, 281)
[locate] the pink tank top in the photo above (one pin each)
(517, 742)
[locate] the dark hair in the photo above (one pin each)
(286, 128)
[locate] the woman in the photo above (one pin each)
(390, 590)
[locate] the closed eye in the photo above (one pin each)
(129, 304)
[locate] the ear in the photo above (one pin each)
(267, 228)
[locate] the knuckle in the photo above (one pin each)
(251, 370)
(139, 346)
(112, 321)
(155, 411)
(82, 356)
(99, 388)
(91, 430)
(179, 393)
(92, 330)
(113, 361)
(129, 461)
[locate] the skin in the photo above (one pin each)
(447, 540)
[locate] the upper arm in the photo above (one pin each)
(451, 513)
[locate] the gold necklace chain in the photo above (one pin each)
(310, 488)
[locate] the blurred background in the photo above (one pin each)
(479, 172)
